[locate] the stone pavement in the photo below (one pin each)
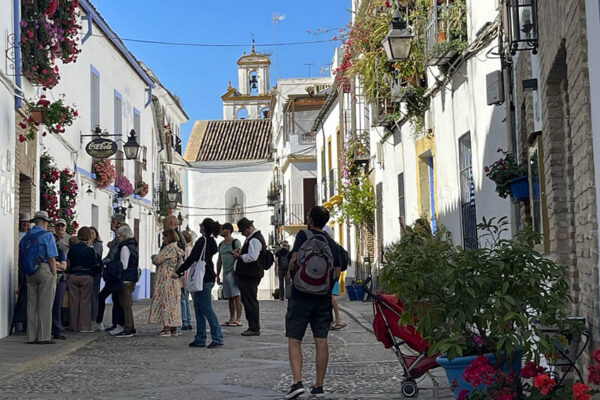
(98, 366)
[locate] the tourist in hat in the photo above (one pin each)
(24, 224)
(60, 227)
(41, 283)
(249, 271)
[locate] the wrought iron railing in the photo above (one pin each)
(295, 214)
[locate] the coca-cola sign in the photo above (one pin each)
(101, 148)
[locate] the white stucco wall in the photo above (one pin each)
(7, 184)
(205, 197)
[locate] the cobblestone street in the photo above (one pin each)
(98, 366)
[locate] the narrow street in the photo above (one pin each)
(97, 366)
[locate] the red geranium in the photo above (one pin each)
(581, 391)
(544, 383)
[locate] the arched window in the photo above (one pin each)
(264, 113)
(234, 203)
(241, 113)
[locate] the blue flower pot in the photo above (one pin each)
(360, 292)
(351, 293)
(519, 189)
(454, 369)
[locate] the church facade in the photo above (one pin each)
(230, 159)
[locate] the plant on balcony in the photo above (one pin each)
(54, 115)
(105, 173)
(452, 24)
(416, 105)
(124, 186)
(443, 52)
(48, 31)
(141, 188)
(503, 171)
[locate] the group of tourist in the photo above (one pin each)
(56, 268)
(52, 263)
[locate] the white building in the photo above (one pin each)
(230, 162)
(8, 215)
(296, 103)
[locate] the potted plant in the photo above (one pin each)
(124, 186)
(54, 115)
(509, 176)
(141, 189)
(487, 300)
(105, 173)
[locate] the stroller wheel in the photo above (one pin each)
(409, 388)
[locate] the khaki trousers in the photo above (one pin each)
(80, 301)
(127, 304)
(40, 296)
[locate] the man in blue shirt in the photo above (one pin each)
(41, 284)
(305, 308)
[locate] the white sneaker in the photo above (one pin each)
(97, 327)
(117, 330)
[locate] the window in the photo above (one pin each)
(94, 98)
(118, 125)
(401, 205)
(467, 193)
(537, 195)
(137, 127)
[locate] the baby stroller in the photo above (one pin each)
(387, 310)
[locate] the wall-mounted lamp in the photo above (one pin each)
(89, 190)
(398, 41)
(522, 25)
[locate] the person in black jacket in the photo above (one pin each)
(203, 299)
(83, 263)
(249, 271)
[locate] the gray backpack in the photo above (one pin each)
(314, 265)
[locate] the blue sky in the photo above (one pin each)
(199, 75)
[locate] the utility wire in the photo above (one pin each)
(193, 44)
(223, 208)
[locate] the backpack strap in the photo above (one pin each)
(308, 234)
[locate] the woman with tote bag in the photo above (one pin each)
(200, 260)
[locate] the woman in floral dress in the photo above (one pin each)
(165, 307)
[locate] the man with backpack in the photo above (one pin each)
(283, 260)
(249, 270)
(37, 252)
(315, 263)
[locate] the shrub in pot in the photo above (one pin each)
(478, 301)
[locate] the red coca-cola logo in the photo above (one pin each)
(101, 148)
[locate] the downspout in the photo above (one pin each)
(16, 44)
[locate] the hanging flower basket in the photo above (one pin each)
(124, 186)
(54, 115)
(141, 189)
(105, 173)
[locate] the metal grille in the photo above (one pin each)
(467, 193)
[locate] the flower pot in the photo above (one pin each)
(454, 369)
(519, 188)
(351, 293)
(359, 292)
(441, 36)
(37, 116)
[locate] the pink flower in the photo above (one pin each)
(22, 138)
(531, 370)
(463, 394)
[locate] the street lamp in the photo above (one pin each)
(522, 21)
(131, 147)
(172, 194)
(398, 41)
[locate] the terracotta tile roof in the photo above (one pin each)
(246, 139)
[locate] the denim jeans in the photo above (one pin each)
(204, 311)
(57, 327)
(186, 316)
(95, 291)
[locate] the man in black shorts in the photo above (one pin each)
(305, 308)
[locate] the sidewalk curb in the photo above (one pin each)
(74, 345)
(357, 317)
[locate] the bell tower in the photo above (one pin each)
(252, 98)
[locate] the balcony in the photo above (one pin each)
(294, 217)
(178, 145)
(446, 32)
(359, 147)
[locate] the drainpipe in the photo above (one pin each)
(17, 42)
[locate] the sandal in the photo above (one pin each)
(229, 323)
(337, 327)
(235, 323)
